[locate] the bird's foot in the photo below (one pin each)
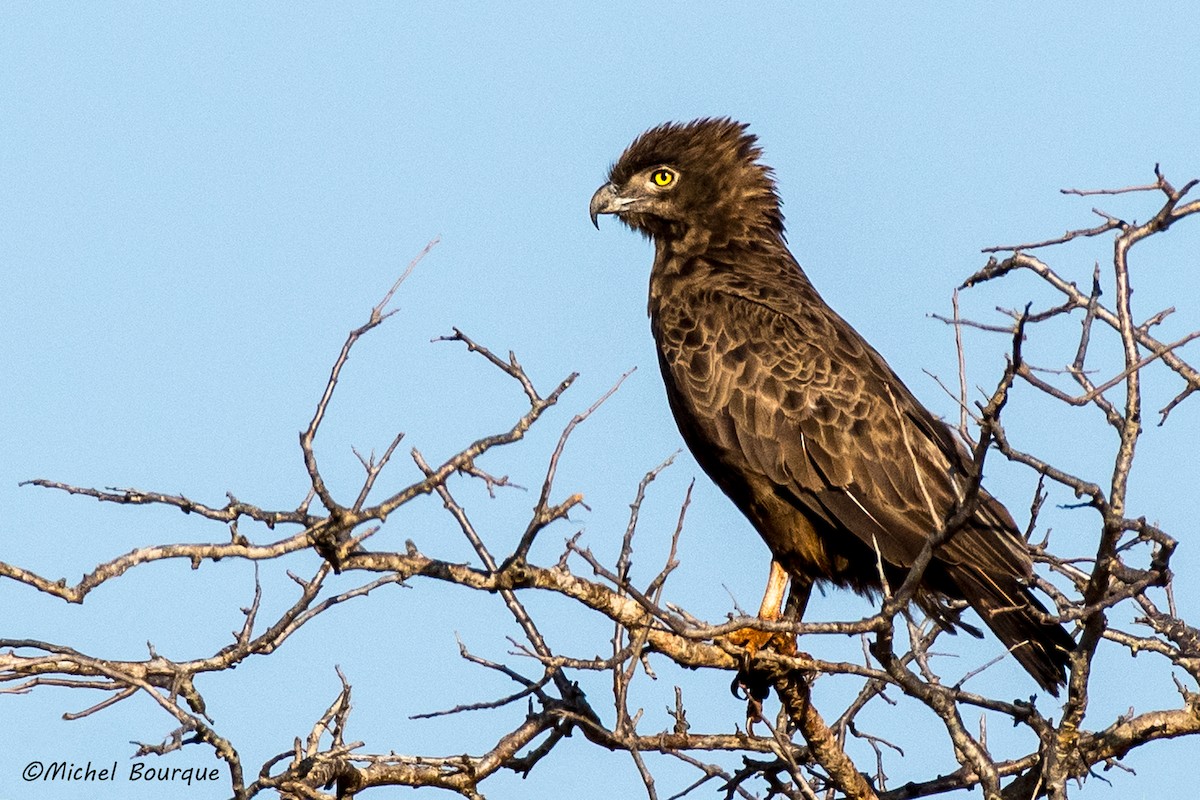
(752, 641)
(753, 681)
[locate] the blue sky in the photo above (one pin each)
(197, 202)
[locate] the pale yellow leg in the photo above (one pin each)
(772, 602)
(771, 610)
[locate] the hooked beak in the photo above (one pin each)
(607, 201)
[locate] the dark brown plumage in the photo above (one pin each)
(789, 410)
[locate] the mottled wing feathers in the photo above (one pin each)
(825, 422)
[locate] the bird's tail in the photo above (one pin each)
(1017, 617)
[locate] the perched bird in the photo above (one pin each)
(793, 415)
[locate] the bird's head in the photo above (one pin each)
(680, 177)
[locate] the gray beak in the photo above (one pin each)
(605, 201)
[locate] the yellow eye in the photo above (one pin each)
(662, 177)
